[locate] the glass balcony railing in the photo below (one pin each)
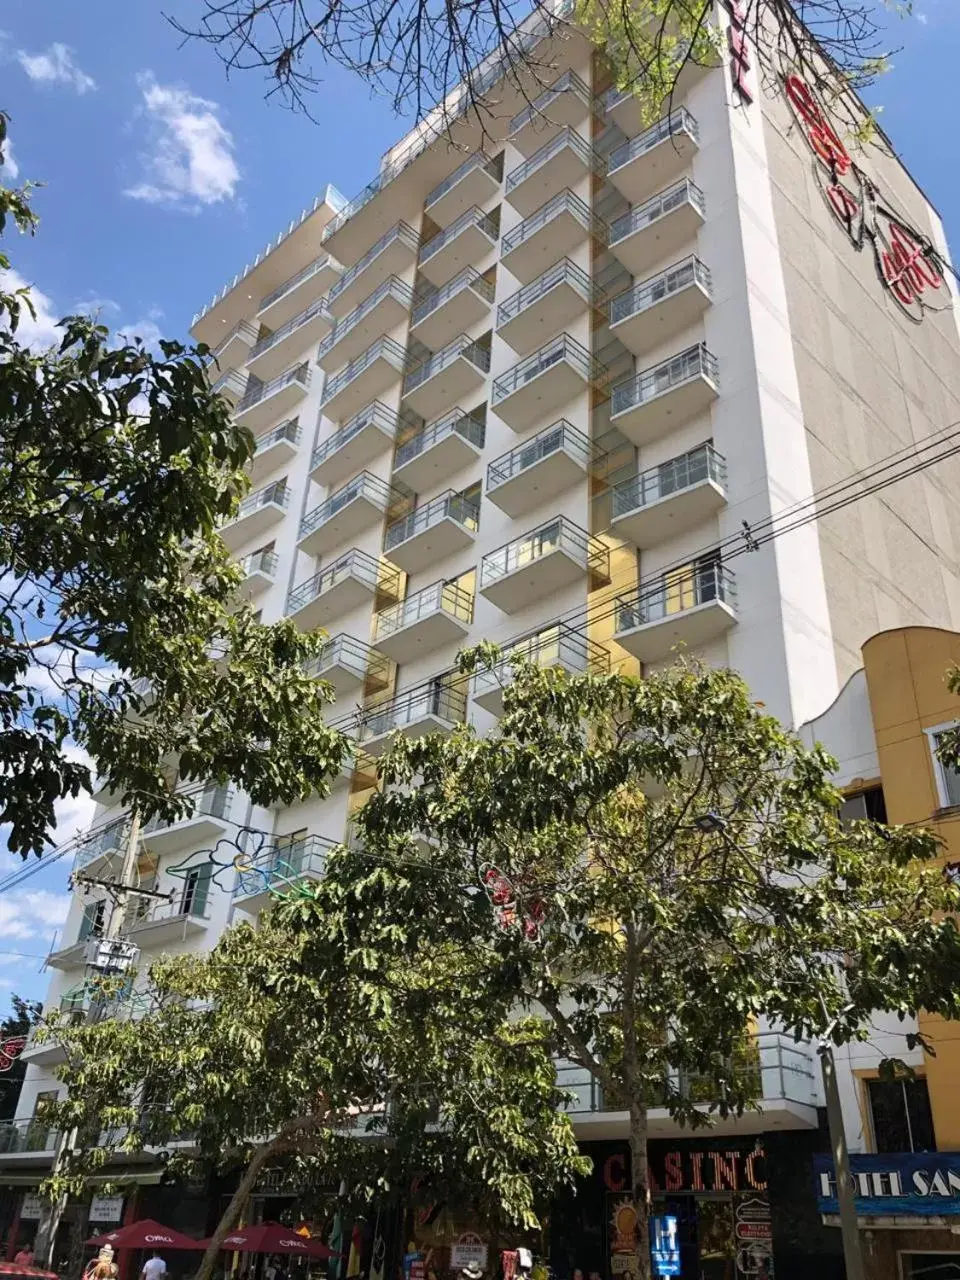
(652, 210)
(400, 232)
(457, 422)
(107, 840)
(440, 597)
(392, 287)
(566, 138)
(346, 651)
(468, 278)
(34, 1134)
(563, 202)
(560, 436)
(278, 867)
(449, 506)
(700, 583)
(676, 122)
(695, 362)
(262, 390)
(318, 308)
(468, 348)
(477, 161)
(648, 293)
(559, 534)
(683, 472)
(276, 494)
(373, 414)
(434, 700)
(556, 646)
(474, 217)
(242, 329)
(352, 564)
(569, 83)
(264, 562)
(211, 801)
(288, 431)
(300, 277)
(365, 486)
(562, 272)
(383, 349)
(560, 348)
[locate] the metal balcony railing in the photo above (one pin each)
(566, 138)
(658, 206)
(289, 431)
(276, 494)
(680, 121)
(317, 308)
(352, 564)
(477, 161)
(456, 422)
(343, 650)
(271, 870)
(648, 293)
(230, 381)
(474, 217)
(192, 903)
(559, 534)
(569, 82)
(693, 363)
(20, 1136)
(558, 436)
(300, 373)
(556, 646)
(562, 272)
(440, 597)
(212, 801)
(441, 701)
(300, 277)
(469, 348)
(449, 506)
(701, 583)
(563, 347)
(375, 413)
(97, 844)
(383, 349)
(400, 231)
(468, 278)
(242, 329)
(562, 202)
(392, 287)
(264, 562)
(683, 472)
(366, 485)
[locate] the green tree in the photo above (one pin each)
(652, 868)
(121, 632)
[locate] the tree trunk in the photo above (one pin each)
(233, 1210)
(640, 1184)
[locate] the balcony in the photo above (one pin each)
(28, 1138)
(662, 307)
(432, 532)
(273, 353)
(276, 449)
(689, 606)
(541, 468)
(455, 373)
(359, 506)
(278, 869)
(558, 164)
(233, 350)
(290, 298)
(551, 302)
(365, 437)
(558, 646)
(655, 158)
(105, 842)
(434, 708)
(161, 923)
(231, 385)
(624, 106)
(462, 302)
(473, 183)
(390, 256)
(259, 572)
(670, 499)
(464, 243)
(349, 665)
(204, 826)
(350, 581)
(364, 379)
(267, 402)
(426, 459)
(656, 401)
(257, 513)
(551, 233)
(567, 102)
(544, 381)
(438, 615)
(375, 316)
(659, 229)
(543, 563)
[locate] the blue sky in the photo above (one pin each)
(163, 177)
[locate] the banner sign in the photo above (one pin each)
(904, 1183)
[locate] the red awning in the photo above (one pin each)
(146, 1234)
(270, 1237)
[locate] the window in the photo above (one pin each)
(196, 890)
(94, 919)
(947, 779)
(867, 805)
(900, 1115)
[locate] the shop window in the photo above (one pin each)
(900, 1115)
(867, 806)
(931, 1266)
(947, 778)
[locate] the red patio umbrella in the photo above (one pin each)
(146, 1234)
(270, 1237)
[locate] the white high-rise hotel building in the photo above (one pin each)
(524, 393)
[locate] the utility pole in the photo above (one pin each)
(849, 1231)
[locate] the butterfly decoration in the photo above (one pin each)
(508, 908)
(10, 1051)
(245, 854)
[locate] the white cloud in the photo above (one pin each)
(9, 170)
(37, 332)
(56, 66)
(31, 915)
(147, 330)
(191, 162)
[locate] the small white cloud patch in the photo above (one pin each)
(37, 332)
(56, 65)
(9, 169)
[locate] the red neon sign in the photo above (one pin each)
(739, 51)
(10, 1051)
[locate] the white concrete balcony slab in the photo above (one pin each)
(276, 449)
(367, 378)
(361, 504)
(654, 158)
(625, 106)
(273, 353)
(457, 372)
(472, 183)
(370, 319)
(259, 512)
(671, 498)
(266, 403)
(231, 385)
(467, 240)
(349, 665)
(541, 468)
(278, 869)
(550, 233)
(661, 307)
(689, 606)
(438, 615)
(233, 350)
(204, 826)
(558, 646)
(291, 297)
(360, 440)
(105, 842)
(566, 103)
(432, 708)
(429, 457)
(459, 305)
(544, 381)
(666, 396)
(544, 561)
(344, 584)
(557, 164)
(659, 229)
(259, 573)
(551, 302)
(162, 923)
(432, 532)
(69, 957)
(389, 256)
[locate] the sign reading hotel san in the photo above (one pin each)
(925, 1183)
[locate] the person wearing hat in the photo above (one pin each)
(472, 1271)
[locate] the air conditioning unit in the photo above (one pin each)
(110, 955)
